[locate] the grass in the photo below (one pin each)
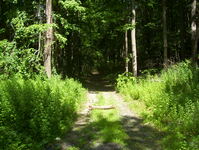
(170, 101)
(138, 106)
(104, 127)
(109, 126)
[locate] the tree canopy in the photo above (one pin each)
(90, 34)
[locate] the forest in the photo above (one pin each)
(55, 53)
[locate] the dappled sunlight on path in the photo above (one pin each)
(115, 129)
(140, 135)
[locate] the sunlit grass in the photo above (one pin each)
(170, 101)
(109, 126)
(104, 127)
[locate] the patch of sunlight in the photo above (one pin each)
(72, 148)
(139, 107)
(109, 128)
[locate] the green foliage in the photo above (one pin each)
(90, 33)
(124, 79)
(73, 5)
(8, 57)
(61, 39)
(35, 112)
(25, 62)
(172, 101)
(73, 148)
(25, 30)
(20, 55)
(127, 27)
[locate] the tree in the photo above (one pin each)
(165, 33)
(126, 52)
(194, 35)
(39, 15)
(133, 42)
(49, 39)
(84, 35)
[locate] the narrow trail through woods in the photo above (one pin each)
(114, 129)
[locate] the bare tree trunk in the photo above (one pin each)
(182, 30)
(133, 42)
(126, 52)
(165, 34)
(194, 37)
(49, 39)
(40, 21)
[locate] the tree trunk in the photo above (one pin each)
(49, 39)
(182, 30)
(165, 34)
(194, 33)
(126, 52)
(40, 22)
(133, 43)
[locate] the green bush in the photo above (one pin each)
(172, 99)
(34, 112)
(15, 60)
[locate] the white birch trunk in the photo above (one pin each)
(126, 52)
(133, 42)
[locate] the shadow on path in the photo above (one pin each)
(97, 82)
(139, 136)
(100, 134)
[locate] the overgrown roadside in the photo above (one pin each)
(170, 101)
(33, 112)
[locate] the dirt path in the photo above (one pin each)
(73, 137)
(140, 135)
(101, 131)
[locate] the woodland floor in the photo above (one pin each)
(115, 129)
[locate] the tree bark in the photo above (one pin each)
(133, 43)
(40, 22)
(126, 52)
(182, 30)
(165, 45)
(49, 39)
(194, 37)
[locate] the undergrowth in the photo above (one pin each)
(171, 102)
(35, 112)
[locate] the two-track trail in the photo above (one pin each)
(113, 129)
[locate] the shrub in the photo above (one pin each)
(34, 112)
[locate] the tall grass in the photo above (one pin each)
(172, 102)
(34, 112)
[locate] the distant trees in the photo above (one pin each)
(91, 34)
